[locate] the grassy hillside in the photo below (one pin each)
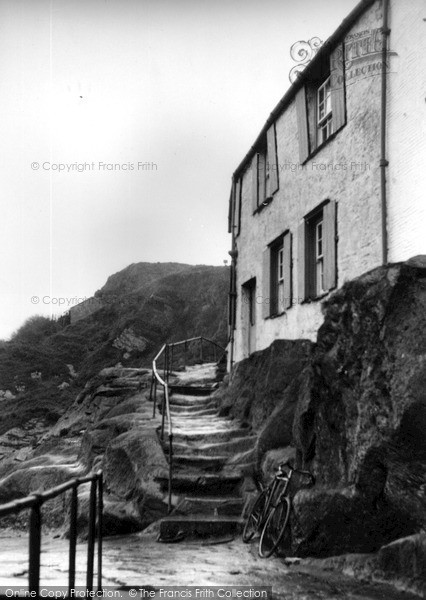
(145, 305)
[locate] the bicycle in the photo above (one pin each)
(271, 511)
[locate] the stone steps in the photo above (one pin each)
(207, 474)
(191, 411)
(201, 484)
(222, 435)
(199, 390)
(230, 447)
(209, 463)
(190, 401)
(211, 505)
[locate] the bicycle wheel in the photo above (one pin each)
(275, 526)
(254, 520)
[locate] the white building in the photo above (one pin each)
(334, 185)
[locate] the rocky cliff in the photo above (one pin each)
(360, 423)
(78, 393)
(46, 364)
(109, 426)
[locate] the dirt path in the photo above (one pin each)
(138, 560)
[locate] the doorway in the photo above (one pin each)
(249, 316)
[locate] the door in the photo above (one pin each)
(249, 317)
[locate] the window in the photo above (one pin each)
(265, 171)
(321, 103)
(317, 229)
(317, 252)
(324, 113)
(277, 277)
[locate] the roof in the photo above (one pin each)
(340, 32)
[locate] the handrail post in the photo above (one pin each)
(155, 397)
(152, 385)
(100, 526)
(163, 414)
(73, 537)
(35, 547)
(165, 363)
(168, 363)
(184, 356)
(201, 349)
(91, 536)
(171, 358)
(170, 471)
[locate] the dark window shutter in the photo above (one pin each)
(266, 283)
(272, 160)
(230, 210)
(238, 207)
(273, 281)
(302, 124)
(337, 85)
(261, 170)
(302, 291)
(329, 220)
(255, 182)
(287, 271)
(232, 296)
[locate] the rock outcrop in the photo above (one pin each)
(263, 393)
(361, 419)
(352, 409)
(109, 426)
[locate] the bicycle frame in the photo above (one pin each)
(276, 515)
(279, 479)
(270, 498)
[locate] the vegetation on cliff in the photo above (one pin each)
(47, 363)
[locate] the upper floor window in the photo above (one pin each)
(321, 103)
(324, 112)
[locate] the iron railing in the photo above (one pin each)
(168, 353)
(35, 502)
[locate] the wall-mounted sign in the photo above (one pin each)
(302, 53)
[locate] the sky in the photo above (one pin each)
(121, 123)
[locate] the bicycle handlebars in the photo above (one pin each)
(290, 466)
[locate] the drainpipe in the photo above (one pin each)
(233, 300)
(233, 287)
(383, 160)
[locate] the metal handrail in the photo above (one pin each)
(35, 502)
(165, 410)
(167, 350)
